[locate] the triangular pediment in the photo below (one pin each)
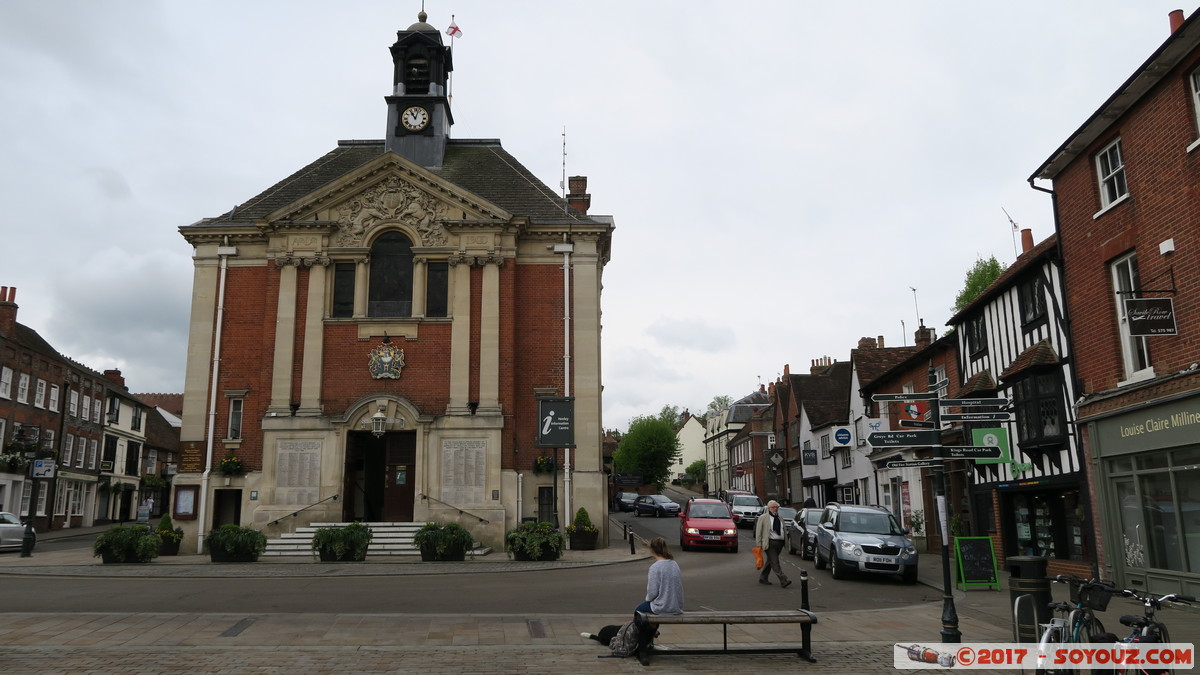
(389, 189)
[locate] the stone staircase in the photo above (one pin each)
(387, 539)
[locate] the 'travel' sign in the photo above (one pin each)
(556, 422)
(1150, 316)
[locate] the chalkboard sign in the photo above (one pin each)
(976, 562)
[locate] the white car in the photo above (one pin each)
(746, 509)
(12, 531)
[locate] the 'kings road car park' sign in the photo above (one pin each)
(969, 452)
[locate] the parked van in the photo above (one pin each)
(746, 507)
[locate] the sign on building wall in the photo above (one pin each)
(1150, 316)
(556, 422)
(464, 470)
(996, 437)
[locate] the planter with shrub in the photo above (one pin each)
(443, 541)
(342, 543)
(534, 541)
(235, 543)
(127, 544)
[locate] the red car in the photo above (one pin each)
(707, 523)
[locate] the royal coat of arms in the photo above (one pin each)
(386, 362)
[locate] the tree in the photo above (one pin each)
(671, 415)
(698, 470)
(979, 277)
(649, 448)
(718, 404)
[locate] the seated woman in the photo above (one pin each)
(664, 582)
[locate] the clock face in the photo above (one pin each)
(414, 118)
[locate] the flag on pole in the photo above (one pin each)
(454, 31)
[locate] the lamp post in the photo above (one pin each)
(28, 446)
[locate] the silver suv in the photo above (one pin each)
(746, 508)
(853, 538)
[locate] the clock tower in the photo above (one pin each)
(419, 116)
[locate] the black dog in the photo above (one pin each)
(605, 635)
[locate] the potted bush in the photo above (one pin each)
(235, 543)
(170, 535)
(443, 541)
(582, 532)
(534, 541)
(342, 543)
(127, 544)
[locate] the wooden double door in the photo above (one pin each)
(380, 477)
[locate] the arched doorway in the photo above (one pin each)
(380, 476)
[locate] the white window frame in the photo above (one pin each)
(48, 439)
(1194, 81)
(54, 397)
(1110, 174)
(23, 388)
(847, 458)
(237, 410)
(39, 394)
(1135, 356)
(825, 445)
(92, 453)
(3, 427)
(6, 375)
(68, 450)
(86, 408)
(96, 406)
(73, 403)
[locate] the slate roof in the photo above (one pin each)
(825, 396)
(979, 383)
(482, 167)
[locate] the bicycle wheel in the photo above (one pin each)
(1163, 635)
(1052, 637)
(1087, 626)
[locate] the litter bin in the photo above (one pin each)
(1027, 576)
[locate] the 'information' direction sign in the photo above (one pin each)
(891, 439)
(977, 417)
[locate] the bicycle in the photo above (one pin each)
(1078, 622)
(1147, 628)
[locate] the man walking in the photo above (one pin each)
(768, 533)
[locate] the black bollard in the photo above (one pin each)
(804, 590)
(632, 549)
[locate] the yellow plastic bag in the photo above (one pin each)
(758, 559)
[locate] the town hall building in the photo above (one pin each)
(375, 336)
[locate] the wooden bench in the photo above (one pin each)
(800, 616)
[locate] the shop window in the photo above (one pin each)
(1038, 399)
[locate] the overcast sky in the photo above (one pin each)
(782, 174)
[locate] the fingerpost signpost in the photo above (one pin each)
(929, 435)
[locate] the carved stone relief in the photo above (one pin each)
(393, 200)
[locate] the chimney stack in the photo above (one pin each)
(1026, 240)
(924, 336)
(880, 343)
(114, 375)
(578, 197)
(867, 343)
(8, 310)
(1176, 17)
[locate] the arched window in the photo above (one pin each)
(391, 283)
